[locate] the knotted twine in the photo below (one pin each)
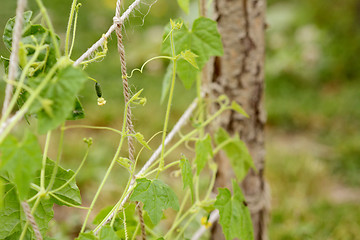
(31, 220)
(129, 124)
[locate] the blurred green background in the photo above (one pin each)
(312, 101)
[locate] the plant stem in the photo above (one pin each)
(68, 29)
(108, 170)
(178, 221)
(75, 174)
(58, 158)
(74, 29)
(161, 165)
(93, 127)
(185, 226)
(51, 28)
(42, 177)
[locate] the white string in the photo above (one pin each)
(14, 57)
(117, 20)
(181, 122)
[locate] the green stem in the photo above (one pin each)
(151, 59)
(51, 28)
(186, 137)
(161, 165)
(176, 223)
(156, 169)
(93, 127)
(183, 203)
(74, 30)
(135, 232)
(46, 148)
(108, 170)
(221, 145)
(58, 158)
(185, 226)
(66, 202)
(211, 185)
(75, 174)
(117, 205)
(68, 29)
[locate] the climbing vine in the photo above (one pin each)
(43, 82)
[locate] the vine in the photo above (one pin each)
(47, 83)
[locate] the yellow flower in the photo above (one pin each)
(101, 101)
(205, 222)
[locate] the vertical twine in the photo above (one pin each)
(129, 124)
(14, 57)
(31, 220)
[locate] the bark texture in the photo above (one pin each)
(239, 74)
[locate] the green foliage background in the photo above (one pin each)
(312, 100)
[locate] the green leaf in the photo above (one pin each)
(238, 109)
(187, 73)
(190, 58)
(235, 217)
(156, 196)
(62, 91)
(203, 40)
(140, 138)
(203, 150)
(184, 4)
(9, 27)
(87, 236)
(107, 233)
(12, 217)
(187, 175)
(34, 35)
(237, 153)
(77, 112)
(21, 160)
(166, 82)
(70, 193)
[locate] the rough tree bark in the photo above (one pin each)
(239, 74)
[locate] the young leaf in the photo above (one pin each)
(184, 4)
(21, 160)
(62, 91)
(203, 150)
(108, 233)
(190, 58)
(187, 175)
(87, 236)
(237, 153)
(203, 40)
(156, 196)
(239, 109)
(141, 140)
(235, 217)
